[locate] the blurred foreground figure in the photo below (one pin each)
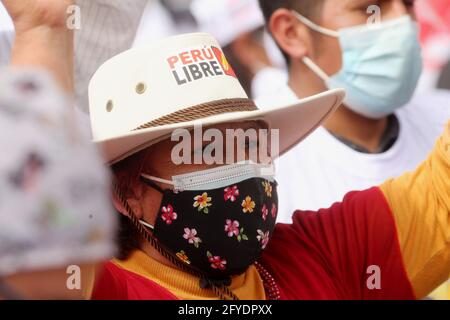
(55, 216)
(55, 212)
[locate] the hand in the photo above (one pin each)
(30, 14)
(42, 37)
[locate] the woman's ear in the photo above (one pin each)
(132, 203)
(292, 37)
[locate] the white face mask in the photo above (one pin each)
(382, 64)
(218, 177)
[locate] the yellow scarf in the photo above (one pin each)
(248, 286)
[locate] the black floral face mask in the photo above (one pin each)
(218, 231)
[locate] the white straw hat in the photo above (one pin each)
(141, 96)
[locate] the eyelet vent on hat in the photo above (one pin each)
(141, 87)
(109, 106)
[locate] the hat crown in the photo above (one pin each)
(145, 84)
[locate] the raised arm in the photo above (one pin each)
(42, 38)
(420, 202)
(108, 28)
(387, 242)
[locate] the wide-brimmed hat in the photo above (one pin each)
(142, 95)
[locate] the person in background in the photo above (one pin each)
(98, 40)
(56, 220)
(101, 37)
(381, 130)
(239, 28)
(157, 22)
(164, 18)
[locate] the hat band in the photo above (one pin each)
(202, 111)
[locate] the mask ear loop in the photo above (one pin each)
(315, 27)
(149, 180)
(316, 69)
(306, 60)
(220, 289)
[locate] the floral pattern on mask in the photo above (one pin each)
(231, 193)
(232, 229)
(263, 237)
(216, 261)
(202, 202)
(191, 236)
(168, 215)
(233, 233)
(274, 210)
(265, 212)
(267, 188)
(248, 205)
(183, 257)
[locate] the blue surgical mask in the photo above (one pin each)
(382, 64)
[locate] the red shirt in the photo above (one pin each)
(322, 255)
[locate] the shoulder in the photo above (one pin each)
(335, 232)
(357, 208)
(330, 250)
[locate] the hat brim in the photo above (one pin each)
(295, 122)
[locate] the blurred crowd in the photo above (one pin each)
(250, 48)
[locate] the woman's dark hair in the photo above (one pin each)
(127, 174)
(128, 237)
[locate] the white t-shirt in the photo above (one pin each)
(321, 169)
(268, 81)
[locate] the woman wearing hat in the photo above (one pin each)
(206, 230)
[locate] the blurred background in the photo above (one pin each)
(239, 27)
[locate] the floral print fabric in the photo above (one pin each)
(220, 232)
(55, 208)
